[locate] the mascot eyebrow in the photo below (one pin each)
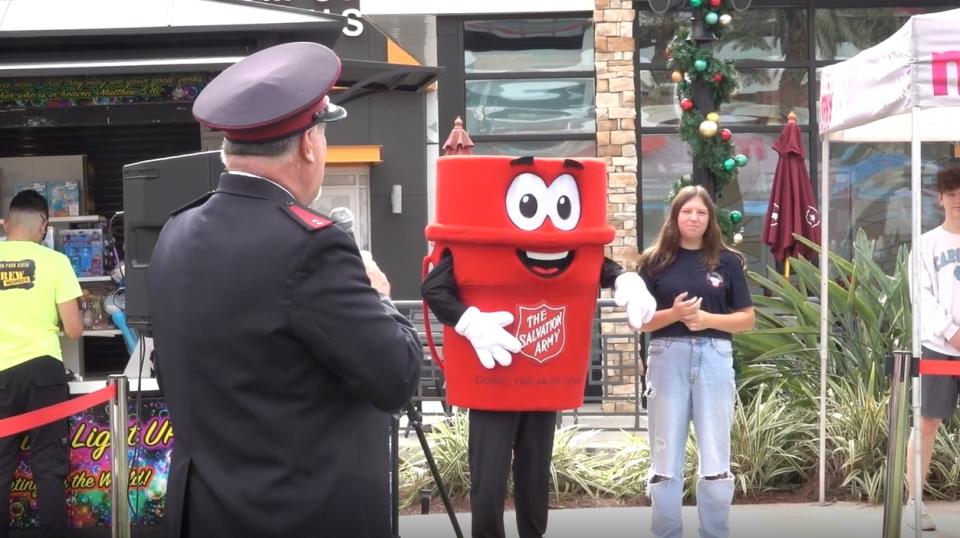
(528, 161)
(522, 161)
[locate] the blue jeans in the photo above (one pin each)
(690, 376)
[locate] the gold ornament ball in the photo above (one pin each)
(709, 129)
(676, 77)
(725, 19)
(713, 116)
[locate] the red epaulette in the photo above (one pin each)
(306, 217)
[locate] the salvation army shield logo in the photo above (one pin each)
(542, 331)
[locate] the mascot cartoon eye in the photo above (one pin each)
(564, 199)
(527, 200)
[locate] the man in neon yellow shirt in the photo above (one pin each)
(38, 293)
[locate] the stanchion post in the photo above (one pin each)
(897, 421)
(120, 507)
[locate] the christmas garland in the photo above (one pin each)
(710, 145)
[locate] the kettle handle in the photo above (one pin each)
(426, 320)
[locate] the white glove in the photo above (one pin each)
(631, 290)
(485, 332)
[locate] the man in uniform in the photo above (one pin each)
(38, 293)
(278, 360)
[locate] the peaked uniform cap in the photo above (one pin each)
(272, 94)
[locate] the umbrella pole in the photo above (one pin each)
(786, 269)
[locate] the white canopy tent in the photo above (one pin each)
(905, 89)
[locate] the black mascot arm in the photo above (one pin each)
(440, 292)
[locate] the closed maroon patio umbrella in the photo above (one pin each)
(793, 208)
(458, 142)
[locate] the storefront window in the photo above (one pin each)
(844, 32)
(777, 52)
(757, 34)
(765, 98)
(870, 189)
(654, 33)
(560, 148)
(496, 46)
(530, 106)
(766, 34)
(664, 159)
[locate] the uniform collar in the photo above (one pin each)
(245, 184)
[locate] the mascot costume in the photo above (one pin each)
(517, 265)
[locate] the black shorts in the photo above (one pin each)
(938, 393)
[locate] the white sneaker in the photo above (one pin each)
(926, 522)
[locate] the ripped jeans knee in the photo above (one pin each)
(657, 478)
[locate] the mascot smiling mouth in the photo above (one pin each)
(546, 264)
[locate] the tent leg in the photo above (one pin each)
(824, 309)
(917, 493)
(915, 228)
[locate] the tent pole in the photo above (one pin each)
(824, 306)
(916, 197)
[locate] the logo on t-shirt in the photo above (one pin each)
(542, 331)
(17, 275)
(715, 279)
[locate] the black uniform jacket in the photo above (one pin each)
(279, 364)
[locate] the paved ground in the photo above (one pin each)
(846, 520)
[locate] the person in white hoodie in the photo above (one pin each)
(940, 326)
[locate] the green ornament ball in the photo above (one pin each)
(700, 65)
(741, 160)
(736, 216)
(696, 3)
(684, 85)
(711, 18)
(729, 164)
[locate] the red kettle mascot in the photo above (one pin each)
(516, 268)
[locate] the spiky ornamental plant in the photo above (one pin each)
(710, 145)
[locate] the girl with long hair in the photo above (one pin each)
(702, 300)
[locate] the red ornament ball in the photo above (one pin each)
(715, 3)
(718, 78)
(686, 104)
(725, 134)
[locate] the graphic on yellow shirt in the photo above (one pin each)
(34, 280)
(17, 275)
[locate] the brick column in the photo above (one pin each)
(614, 47)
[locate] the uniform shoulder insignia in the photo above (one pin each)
(198, 202)
(306, 217)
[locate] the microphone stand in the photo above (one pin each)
(415, 421)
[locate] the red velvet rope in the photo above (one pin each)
(939, 367)
(34, 419)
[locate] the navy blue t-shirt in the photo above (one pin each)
(723, 290)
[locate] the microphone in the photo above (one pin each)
(343, 218)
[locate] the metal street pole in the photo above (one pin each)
(703, 97)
